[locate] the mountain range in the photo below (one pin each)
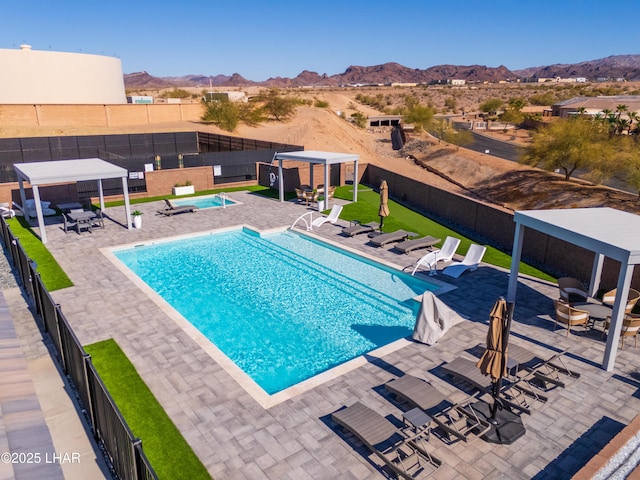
(614, 67)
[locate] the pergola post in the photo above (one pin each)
(355, 181)
(596, 273)
(38, 205)
(127, 204)
(617, 316)
(515, 263)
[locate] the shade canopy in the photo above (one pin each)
(322, 158)
(605, 231)
(65, 171)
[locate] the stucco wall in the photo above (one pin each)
(98, 115)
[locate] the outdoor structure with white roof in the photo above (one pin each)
(322, 158)
(65, 171)
(605, 231)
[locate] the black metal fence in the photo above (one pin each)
(108, 426)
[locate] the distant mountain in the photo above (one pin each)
(613, 67)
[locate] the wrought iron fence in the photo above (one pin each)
(107, 423)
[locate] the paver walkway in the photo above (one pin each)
(237, 438)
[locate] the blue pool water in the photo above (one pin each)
(284, 307)
(209, 201)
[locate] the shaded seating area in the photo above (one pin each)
(171, 209)
(404, 454)
(457, 420)
(385, 238)
(407, 246)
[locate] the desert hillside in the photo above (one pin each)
(485, 177)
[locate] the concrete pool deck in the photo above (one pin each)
(237, 438)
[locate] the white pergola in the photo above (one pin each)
(605, 231)
(65, 171)
(322, 158)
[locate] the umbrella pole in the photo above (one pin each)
(497, 404)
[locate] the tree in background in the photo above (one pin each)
(278, 106)
(491, 106)
(228, 115)
(569, 144)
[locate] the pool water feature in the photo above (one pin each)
(207, 201)
(282, 306)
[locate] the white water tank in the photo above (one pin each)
(32, 76)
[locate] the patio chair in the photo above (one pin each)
(445, 254)
(171, 209)
(300, 195)
(513, 394)
(332, 218)
(457, 420)
(630, 328)
(470, 261)
(310, 196)
(405, 455)
(407, 246)
(572, 290)
(357, 229)
(99, 218)
(68, 223)
(384, 238)
(6, 211)
(570, 316)
(609, 298)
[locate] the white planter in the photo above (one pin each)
(320, 205)
(137, 221)
(187, 190)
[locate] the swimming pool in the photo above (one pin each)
(282, 306)
(207, 201)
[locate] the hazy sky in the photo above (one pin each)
(260, 39)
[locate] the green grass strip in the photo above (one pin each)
(170, 455)
(366, 210)
(52, 275)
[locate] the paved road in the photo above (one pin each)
(497, 148)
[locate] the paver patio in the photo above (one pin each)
(237, 438)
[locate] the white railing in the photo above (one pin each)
(223, 199)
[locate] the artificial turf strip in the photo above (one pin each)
(366, 210)
(170, 455)
(52, 275)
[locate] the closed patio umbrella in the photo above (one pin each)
(493, 361)
(506, 426)
(384, 199)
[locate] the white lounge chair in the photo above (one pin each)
(445, 254)
(469, 262)
(335, 212)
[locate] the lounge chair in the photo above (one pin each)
(458, 420)
(171, 209)
(570, 316)
(514, 394)
(445, 254)
(332, 218)
(404, 455)
(384, 238)
(470, 261)
(357, 229)
(552, 370)
(410, 245)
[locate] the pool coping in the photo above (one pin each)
(264, 399)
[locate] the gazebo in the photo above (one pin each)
(65, 171)
(323, 158)
(605, 231)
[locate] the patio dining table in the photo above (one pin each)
(597, 311)
(83, 219)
